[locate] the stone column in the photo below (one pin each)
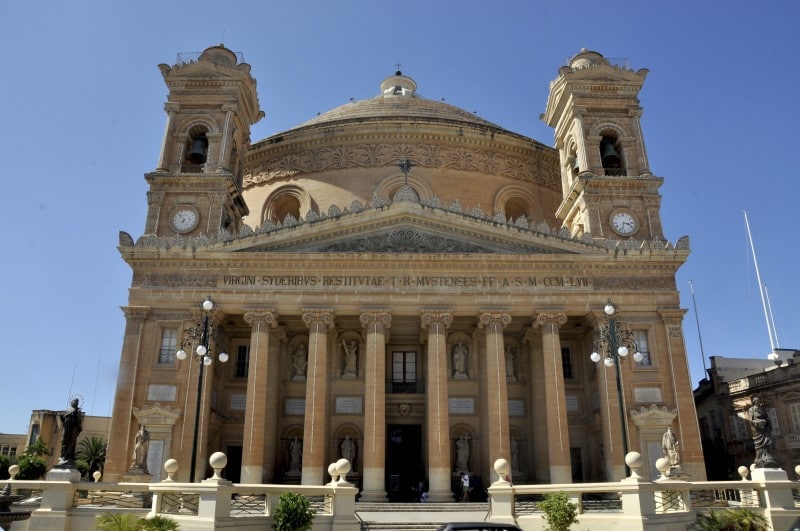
(436, 323)
(493, 322)
(557, 426)
(256, 409)
(122, 433)
(316, 417)
(376, 324)
(278, 339)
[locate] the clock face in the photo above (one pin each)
(184, 219)
(624, 223)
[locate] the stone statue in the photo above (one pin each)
(299, 363)
(669, 448)
(510, 374)
(72, 422)
(460, 353)
(514, 453)
(141, 444)
(348, 448)
(462, 453)
(761, 429)
(295, 455)
(350, 359)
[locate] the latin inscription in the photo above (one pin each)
(408, 281)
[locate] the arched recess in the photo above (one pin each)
(465, 451)
(460, 342)
(194, 137)
(518, 445)
(611, 147)
(291, 453)
(387, 188)
(350, 364)
(348, 443)
(515, 200)
(289, 199)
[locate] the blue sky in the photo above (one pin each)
(83, 120)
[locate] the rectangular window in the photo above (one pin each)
(794, 413)
(566, 362)
(404, 372)
(34, 434)
(640, 337)
(773, 419)
(242, 361)
(169, 345)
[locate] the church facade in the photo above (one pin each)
(402, 283)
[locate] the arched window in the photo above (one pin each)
(195, 149)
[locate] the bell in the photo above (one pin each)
(609, 155)
(197, 155)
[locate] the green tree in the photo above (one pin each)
(559, 512)
(5, 462)
(293, 513)
(92, 450)
(33, 461)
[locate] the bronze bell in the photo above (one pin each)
(197, 155)
(609, 155)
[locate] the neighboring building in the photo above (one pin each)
(11, 445)
(47, 424)
(403, 283)
(724, 399)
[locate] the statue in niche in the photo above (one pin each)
(460, 353)
(462, 453)
(299, 363)
(295, 455)
(510, 374)
(761, 429)
(514, 453)
(141, 445)
(72, 423)
(350, 359)
(348, 449)
(669, 448)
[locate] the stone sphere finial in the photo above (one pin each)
(662, 465)
(218, 460)
(332, 472)
(501, 466)
(97, 475)
(13, 470)
(634, 461)
(170, 467)
(343, 467)
(743, 471)
(797, 470)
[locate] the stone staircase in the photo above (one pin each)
(417, 516)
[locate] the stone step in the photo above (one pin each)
(417, 516)
(421, 507)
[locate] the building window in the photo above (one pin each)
(242, 361)
(773, 420)
(640, 337)
(404, 372)
(794, 413)
(169, 342)
(566, 362)
(739, 426)
(34, 434)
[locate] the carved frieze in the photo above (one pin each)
(434, 156)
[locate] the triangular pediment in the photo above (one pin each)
(407, 227)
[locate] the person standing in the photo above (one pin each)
(465, 487)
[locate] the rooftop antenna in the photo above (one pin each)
(761, 288)
(699, 336)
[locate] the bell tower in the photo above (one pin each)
(211, 105)
(608, 190)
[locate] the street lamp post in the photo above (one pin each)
(612, 344)
(202, 335)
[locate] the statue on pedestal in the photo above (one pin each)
(141, 445)
(72, 423)
(669, 448)
(761, 429)
(350, 359)
(460, 353)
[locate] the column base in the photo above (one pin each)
(560, 474)
(441, 496)
(252, 474)
(311, 476)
